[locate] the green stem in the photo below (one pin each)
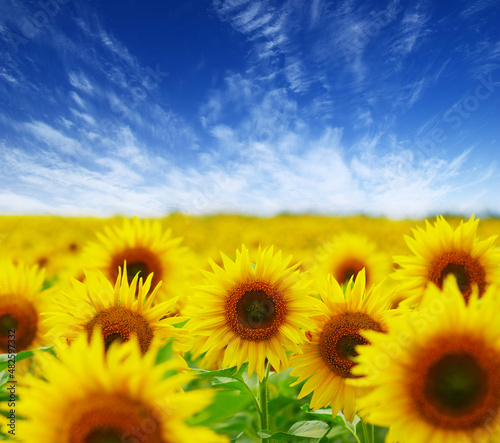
(255, 401)
(353, 434)
(368, 432)
(263, 400)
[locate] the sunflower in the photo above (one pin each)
(441, 250)
(252, 311)
(119, 312)
(147, 248)
(436, 371)
(87, 395)
(22, 299)
(326, 360)
(346, 254)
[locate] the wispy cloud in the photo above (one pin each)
(412, 31)
(260, 22)
(477, 6)
(306, 125)
(54, 138)
(79, 81)
(318, 177)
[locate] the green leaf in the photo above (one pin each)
(228, 383)
(313, 429)
(228, 372)
(341, 420)
(320, 413)
(225, 405)
(337, 431)
(304, 431)
(239, 422)
(165, 353)
(252, 382)
(4, 358)
(4, 378)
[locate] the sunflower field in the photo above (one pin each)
(246, 329)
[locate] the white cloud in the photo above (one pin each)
(54, 138)
(260, 22)
(477, 6)
(80, 81)
(412, 31)
(9, 78)
(312, 175)
(78, 100)
(87, 118)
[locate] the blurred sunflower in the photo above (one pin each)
(252, 311)
(22, 299)
(120, 312)
(88, 395)
(441, 250)
(347, 254)
(147, 248)
(434, 376)
(326, 360)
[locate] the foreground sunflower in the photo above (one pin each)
(252, 311)
(147, 248)
(326, 361)
(87, 395)
(22, 299)
(119, 312)
(435, 376)
(441, 250)
(347, 254)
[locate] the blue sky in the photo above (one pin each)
(256, 107)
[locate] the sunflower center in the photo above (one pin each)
(112, 419)
(17, 313)
(346, 345)
(255, 310)
(103, 436)
(466, 269)
(7, 322)
(340, 336)
(455, 383)
(118, 324)
(140, 261)
(348, 269)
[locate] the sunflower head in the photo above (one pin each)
(253, 311)
(22, 299)
(119, 312)
(347, 254)
(147, 248)
(436, 371)
(115, 396)
(439, 251)
(327, 358)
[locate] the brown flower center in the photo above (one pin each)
(466, 269)
(118, 324)
(111, 419)
(340, 336)
(139, 261)
(16, 312)
(255, 310)
(348, 269)
(455, 383)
